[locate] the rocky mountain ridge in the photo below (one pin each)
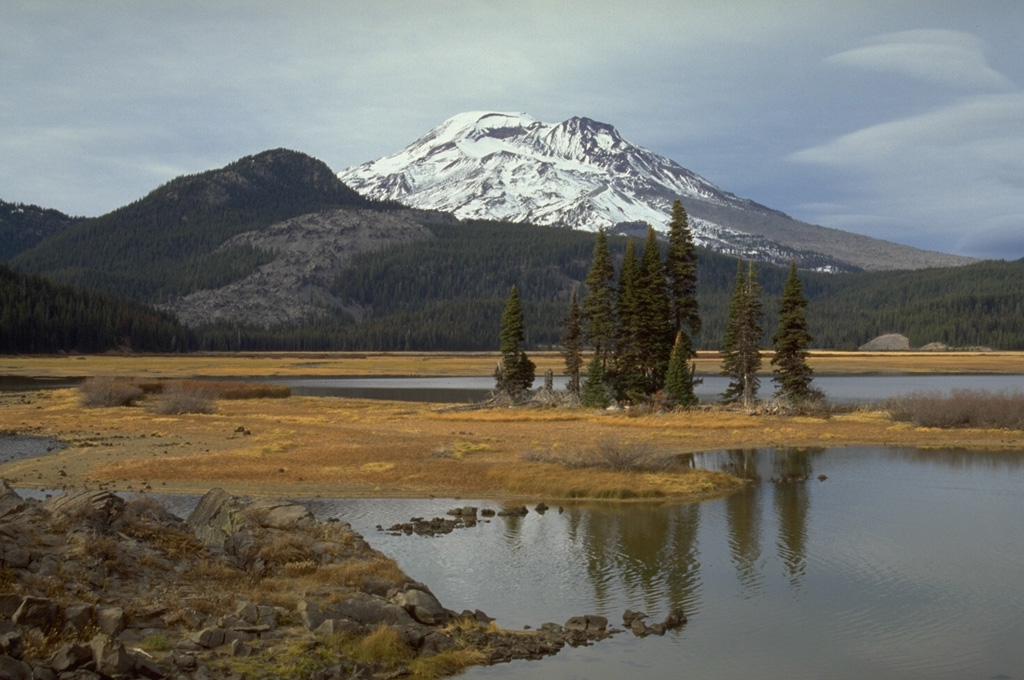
(582, 174)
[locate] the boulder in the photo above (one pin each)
(13, 669)
(110, 620)
(889, 342)
(423, 606)
(371, 611)
(110, 657)
(36, 612)
(97, 508)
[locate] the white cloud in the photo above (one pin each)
(947, 57)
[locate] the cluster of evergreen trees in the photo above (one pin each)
(37, 316)
(640, 325)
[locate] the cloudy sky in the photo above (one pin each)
(901, 120)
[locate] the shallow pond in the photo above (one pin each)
(902, 564)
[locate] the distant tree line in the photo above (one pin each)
(37, 316)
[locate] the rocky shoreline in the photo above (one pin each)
(94, 586)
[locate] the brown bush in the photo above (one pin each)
(105, 391)
(179, 398)
(961, 408)
(231, 389)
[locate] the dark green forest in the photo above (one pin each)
(37, 317)
(448, 293)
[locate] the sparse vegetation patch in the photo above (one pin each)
(960, 408)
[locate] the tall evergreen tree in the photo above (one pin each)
(572, 344)
(681, 270)
(741, 358)
(629, 375)
(516, 372)
(654, 334)
(599, 304)
(679, 381)
(790, 372)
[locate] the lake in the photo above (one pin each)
(845, 390)
(901, 564)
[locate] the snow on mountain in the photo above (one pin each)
(582, 174)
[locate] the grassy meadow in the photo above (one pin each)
(327, 446)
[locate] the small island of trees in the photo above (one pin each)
(640, 325)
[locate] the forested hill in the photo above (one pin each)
(163, 244)
(37, 316)
(23, 226)
(448, 292)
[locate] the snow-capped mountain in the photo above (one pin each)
(582, 174)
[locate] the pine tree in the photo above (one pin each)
(790, 372)
(629, 375)
(655, 335)
(595, 393)
(679, 380)
(516, 371)
(681, 270)
(599, 304)
(572, 345)
(741, 358)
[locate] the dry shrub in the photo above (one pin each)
(231, 389)
(179, 398)
(384, 646)
(286, 548)
(357, 573)
(961, 408)
(106, 391)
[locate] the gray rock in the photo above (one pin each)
(36, 612)
(11, 503)
(889, 342)
(12, 669)
(70, 657)
(110, 620)
(209, 637)
(371, 611)
(587, 623)
(77, 617)
(9, 604)
(110, 657)
(97, 508)
(423, 607)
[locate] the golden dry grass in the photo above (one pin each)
(324, 446)
(279, 364)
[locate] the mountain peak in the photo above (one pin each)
(581, 173)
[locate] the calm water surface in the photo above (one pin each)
(839, 389)
(902, 564)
